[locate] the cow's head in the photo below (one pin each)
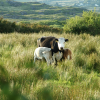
(61, 43)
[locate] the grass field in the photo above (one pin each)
(22, 79)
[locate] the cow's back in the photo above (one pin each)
(49, 42)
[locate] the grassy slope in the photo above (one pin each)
(78, 79)
(34, 11)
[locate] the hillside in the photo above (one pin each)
(67, 2)
(35, 11)
(22, 79)
(53, 2)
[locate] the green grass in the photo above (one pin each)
(22, 79)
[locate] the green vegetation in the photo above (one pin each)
(22, 79)
(25, 27)
(55, 23)
(89, 23)
(34, 12)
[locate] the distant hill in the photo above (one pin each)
(88, 4)
(35, 11)
(53, 2)
(91, 3)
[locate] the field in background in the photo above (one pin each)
(36, 12)
(22, 79)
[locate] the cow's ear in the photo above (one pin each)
(66, 40)
(56, 40)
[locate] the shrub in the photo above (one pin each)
(8, 27)
(89, 22)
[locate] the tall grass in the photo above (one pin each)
(22, 79)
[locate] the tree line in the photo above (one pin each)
(8, 27)
(89, 22)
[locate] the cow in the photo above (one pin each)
(56, 44)
(43, 52)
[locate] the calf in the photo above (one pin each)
(43, 52)
(67, 54)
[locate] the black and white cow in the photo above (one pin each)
(56, 44)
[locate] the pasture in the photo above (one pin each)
(22, 79)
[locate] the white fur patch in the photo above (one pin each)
(68, 57)
(61, 43)
(58, 55)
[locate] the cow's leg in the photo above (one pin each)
(51, 60)
(34, 59)
(61, 59)
(52, 52)
(48, 61)
(54, 59)
(56, 62)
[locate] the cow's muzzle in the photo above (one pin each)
(61, 48)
